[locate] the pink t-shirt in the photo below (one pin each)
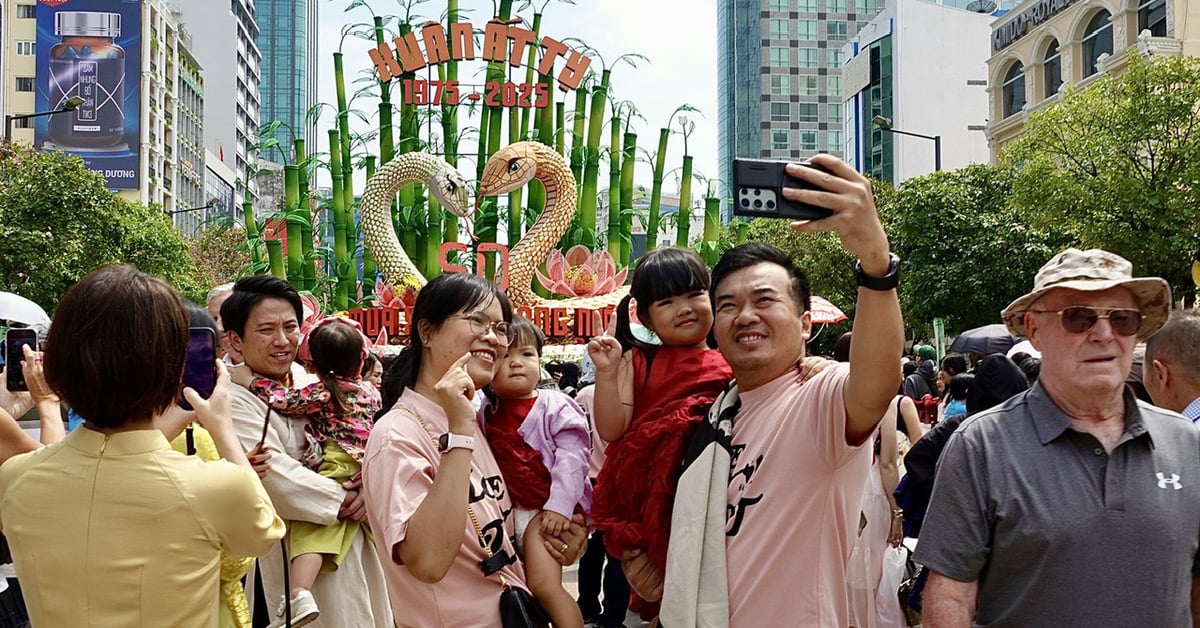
(586, 398)
(398, 470)
(795, 488)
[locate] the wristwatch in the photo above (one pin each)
(888, 281)
(450, 440)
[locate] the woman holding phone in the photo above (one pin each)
(436, 501)
(135, 531)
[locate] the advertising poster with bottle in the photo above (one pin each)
(90, 51)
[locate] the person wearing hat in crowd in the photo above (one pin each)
(1071, 504)
(924, 381)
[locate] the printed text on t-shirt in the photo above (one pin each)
(739, 481)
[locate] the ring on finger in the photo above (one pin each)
(563, 548)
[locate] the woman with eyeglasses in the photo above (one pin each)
(436, 501)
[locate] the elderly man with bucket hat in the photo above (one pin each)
(1071, 504)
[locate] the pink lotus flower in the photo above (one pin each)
(581, 273)
(385, 295)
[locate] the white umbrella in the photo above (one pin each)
(14, 307)
(1026, 347)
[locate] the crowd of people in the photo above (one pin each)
(714, 476)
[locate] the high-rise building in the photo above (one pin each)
(779, 76)
(193, 208)
(288, 40)
(922, 67)
(120, 63)
(229, 41)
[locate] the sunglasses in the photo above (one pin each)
(1079, 319)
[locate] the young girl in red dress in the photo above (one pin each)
(650, 398)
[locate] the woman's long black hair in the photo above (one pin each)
(443, 297)
(660, 274)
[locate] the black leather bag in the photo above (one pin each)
(518, 609)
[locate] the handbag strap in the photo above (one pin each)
(470, 511)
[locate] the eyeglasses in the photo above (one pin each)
(480, 324)
(1078, 319)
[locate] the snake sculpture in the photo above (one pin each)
(448, 187)
(512, 167)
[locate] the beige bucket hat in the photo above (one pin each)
(1094, 270)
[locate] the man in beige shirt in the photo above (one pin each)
(262, 321)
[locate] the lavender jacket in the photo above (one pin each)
(557, 428)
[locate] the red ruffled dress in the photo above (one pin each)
(636, 486)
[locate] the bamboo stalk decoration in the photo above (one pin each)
(343, 135)
(628, 161)
(295, 249)
(615, 155)
(343, 269)
(578, 128)
(275, 255)
(712, 226)
(591, 163)
(683, 221)
(654, 217)
(305, 211)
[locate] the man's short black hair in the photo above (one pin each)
(754, 253)
(249, 292)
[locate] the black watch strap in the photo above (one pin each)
(888, 281)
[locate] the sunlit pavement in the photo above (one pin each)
(571, 584)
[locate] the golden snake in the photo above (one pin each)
(446, 184)
(512, 167)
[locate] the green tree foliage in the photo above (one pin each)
(1118, 163)
(58, 222)
(220, 254)
(966, 253)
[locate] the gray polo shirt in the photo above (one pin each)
(1059, 533)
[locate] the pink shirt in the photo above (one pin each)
(586, 398)
(398, 471)
(795, 489)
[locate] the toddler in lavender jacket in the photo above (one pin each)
(541, 442)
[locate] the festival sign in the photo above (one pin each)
(91, 49)
(502, 42)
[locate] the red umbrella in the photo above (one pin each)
(824, 312)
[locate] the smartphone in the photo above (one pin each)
(758, 191)
(14, 341)
(200, 367)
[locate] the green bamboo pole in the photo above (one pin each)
(591, 164)
(712, 228)
(447, 71)
(628, 160)
(343, 121)
(560, 122)
(660, 164)
(275, 255)
(306, 227)
(295, 246)
(743, 232)
(486, 223)
(342, 269)
(253, 234)
(516, 204)
(614, 183)
(684, 219)
(578, 140)
(531, 62)
(370, 270)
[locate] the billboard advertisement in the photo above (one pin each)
(89, 52)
